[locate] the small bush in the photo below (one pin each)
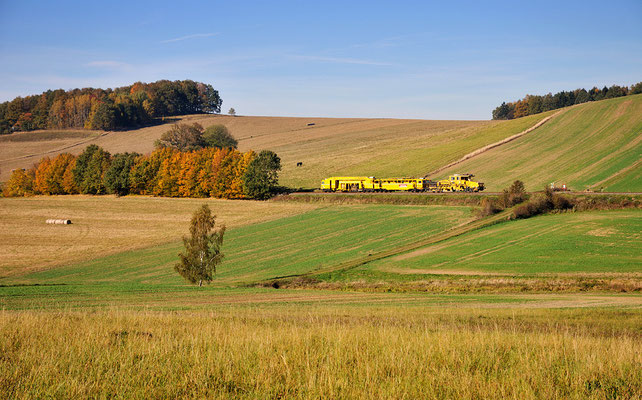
(561, 203)
(541, 204)
(606, 202)
(515, 194)
(521, 212)
(489, 207)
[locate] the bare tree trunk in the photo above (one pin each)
(200, 283)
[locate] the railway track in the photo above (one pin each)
(452, 193)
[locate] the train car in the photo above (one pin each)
(403, 184)
(372, 184)
(348, 184)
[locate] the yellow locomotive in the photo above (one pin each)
(460, 183)
(454, 183)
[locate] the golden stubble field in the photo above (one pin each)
(341, 145)
(16, 153)
(331, 143)
(104, 225)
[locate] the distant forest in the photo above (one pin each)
(537, 104)
(108, 109)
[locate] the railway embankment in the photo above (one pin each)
(400, 198)
(583, 201)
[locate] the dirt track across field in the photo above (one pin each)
(493, 145)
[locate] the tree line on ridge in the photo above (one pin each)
(125, 107)
(533, 104)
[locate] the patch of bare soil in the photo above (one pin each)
(602, 232)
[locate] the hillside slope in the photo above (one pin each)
(291, 245)
(598, 242)
(332, 146)
(386, 148)
(104, 225)
(594, 145)
(21, 150)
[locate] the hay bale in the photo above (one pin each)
(59, 221)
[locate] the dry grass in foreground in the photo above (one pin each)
(105, 225)
(332, 353)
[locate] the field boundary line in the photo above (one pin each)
(67, 147)
(496, 144)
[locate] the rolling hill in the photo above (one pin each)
(290, 245)
(383, 147)
(318, 242)
(603, 242)
(104, 225)
(593, 145)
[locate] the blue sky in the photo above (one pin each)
(398, 59)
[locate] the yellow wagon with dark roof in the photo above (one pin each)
(348, 184)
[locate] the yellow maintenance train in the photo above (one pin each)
(454, 183)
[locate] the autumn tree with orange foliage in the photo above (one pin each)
(144, 175)
(521, 109)
(194, 173)
(20, 183)
(168, 175)
(55, 176)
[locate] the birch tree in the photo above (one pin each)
(202, 249)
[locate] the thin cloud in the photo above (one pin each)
(339, 60)
(107, 64)
(194, 36)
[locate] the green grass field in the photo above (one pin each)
(577, 243)
(571, 245)
(287, 246)
(103, 225)
(595, 145)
